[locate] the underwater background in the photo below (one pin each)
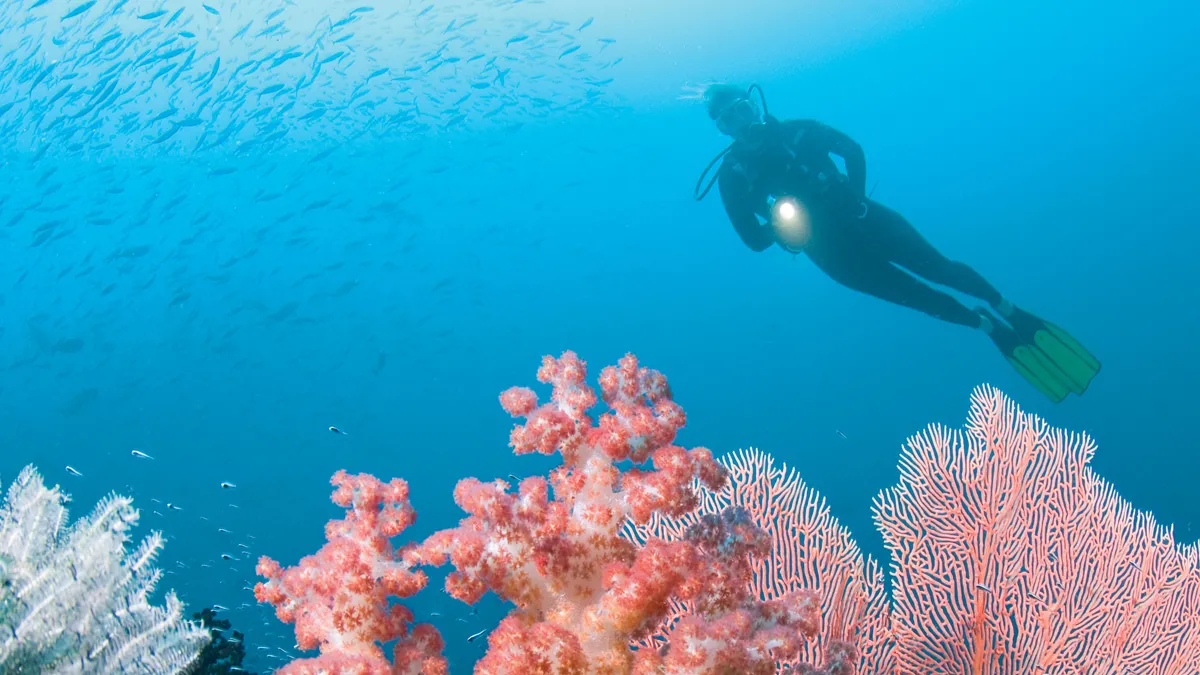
(213, 255)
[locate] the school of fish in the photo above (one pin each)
(96, 78)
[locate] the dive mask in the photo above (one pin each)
(737, 116)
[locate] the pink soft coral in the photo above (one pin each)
(582, 591)
(339, 597)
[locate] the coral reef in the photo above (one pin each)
(1009, 556)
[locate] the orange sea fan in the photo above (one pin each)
(1011, 556)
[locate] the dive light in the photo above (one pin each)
(791, 223)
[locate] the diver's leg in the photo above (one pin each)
(903, 245)
(882, 279)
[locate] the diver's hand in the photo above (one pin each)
(855, 202)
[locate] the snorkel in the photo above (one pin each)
(734, 111)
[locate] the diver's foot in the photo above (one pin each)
(1045, 355)
(1001, 335)
(1024, 357)
(1025, 324)
(988, 323)
(985, 323)
(1004, 308)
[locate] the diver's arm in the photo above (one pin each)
(852, 154)
(828, 139)
(740, 209)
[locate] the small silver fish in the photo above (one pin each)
(141, 455)
(338, 431)
(228, 486)
(71, 470)
(471, 638)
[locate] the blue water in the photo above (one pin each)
(398, 284)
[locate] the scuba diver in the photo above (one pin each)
(780, 185)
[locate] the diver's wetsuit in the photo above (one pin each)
(866, 254)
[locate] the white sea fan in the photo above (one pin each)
(73, 600)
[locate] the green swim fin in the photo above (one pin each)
(1055, 363)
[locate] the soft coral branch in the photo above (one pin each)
(339, 597)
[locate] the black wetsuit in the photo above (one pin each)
(865, 253)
